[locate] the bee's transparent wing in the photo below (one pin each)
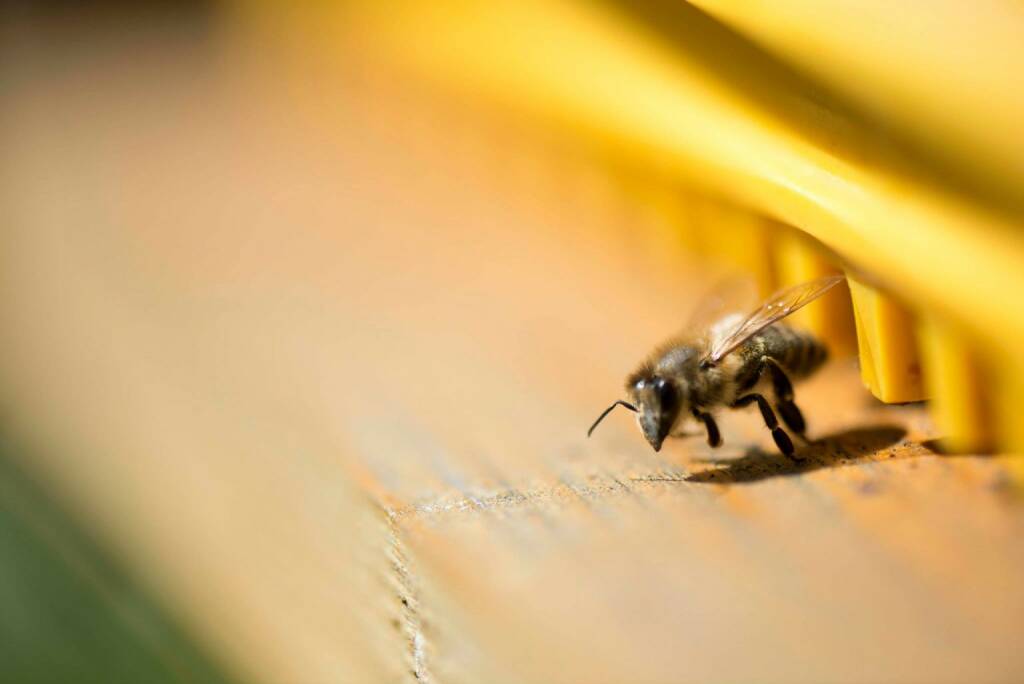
(729, 296)
(775, 308)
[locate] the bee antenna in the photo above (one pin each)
(608, 410)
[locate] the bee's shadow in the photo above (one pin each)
(830, 451)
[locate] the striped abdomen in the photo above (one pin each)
(799, 353)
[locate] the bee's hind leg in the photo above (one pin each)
(714, 436)
(782, 440)
(787, 408)
(792, 417)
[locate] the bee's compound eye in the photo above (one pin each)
(666, 392)
(640, 384)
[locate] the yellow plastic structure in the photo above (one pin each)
(954, 380)
(799, 259)
(942, 74)
(735, 236)
(888, 347)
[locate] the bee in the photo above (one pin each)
(737, 361)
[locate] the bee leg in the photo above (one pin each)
(787, 408)
(714, 436)
(780, 381)
(782, 440)
(792, 417)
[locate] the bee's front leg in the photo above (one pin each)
(714, 436)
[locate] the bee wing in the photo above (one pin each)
(778, 306)
(729, 296)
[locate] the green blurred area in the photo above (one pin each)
(68, 613)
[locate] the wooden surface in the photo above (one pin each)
(317, 363)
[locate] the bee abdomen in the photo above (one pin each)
(799, 353)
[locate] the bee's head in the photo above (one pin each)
(659, 401)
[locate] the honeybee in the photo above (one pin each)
(733, 363)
